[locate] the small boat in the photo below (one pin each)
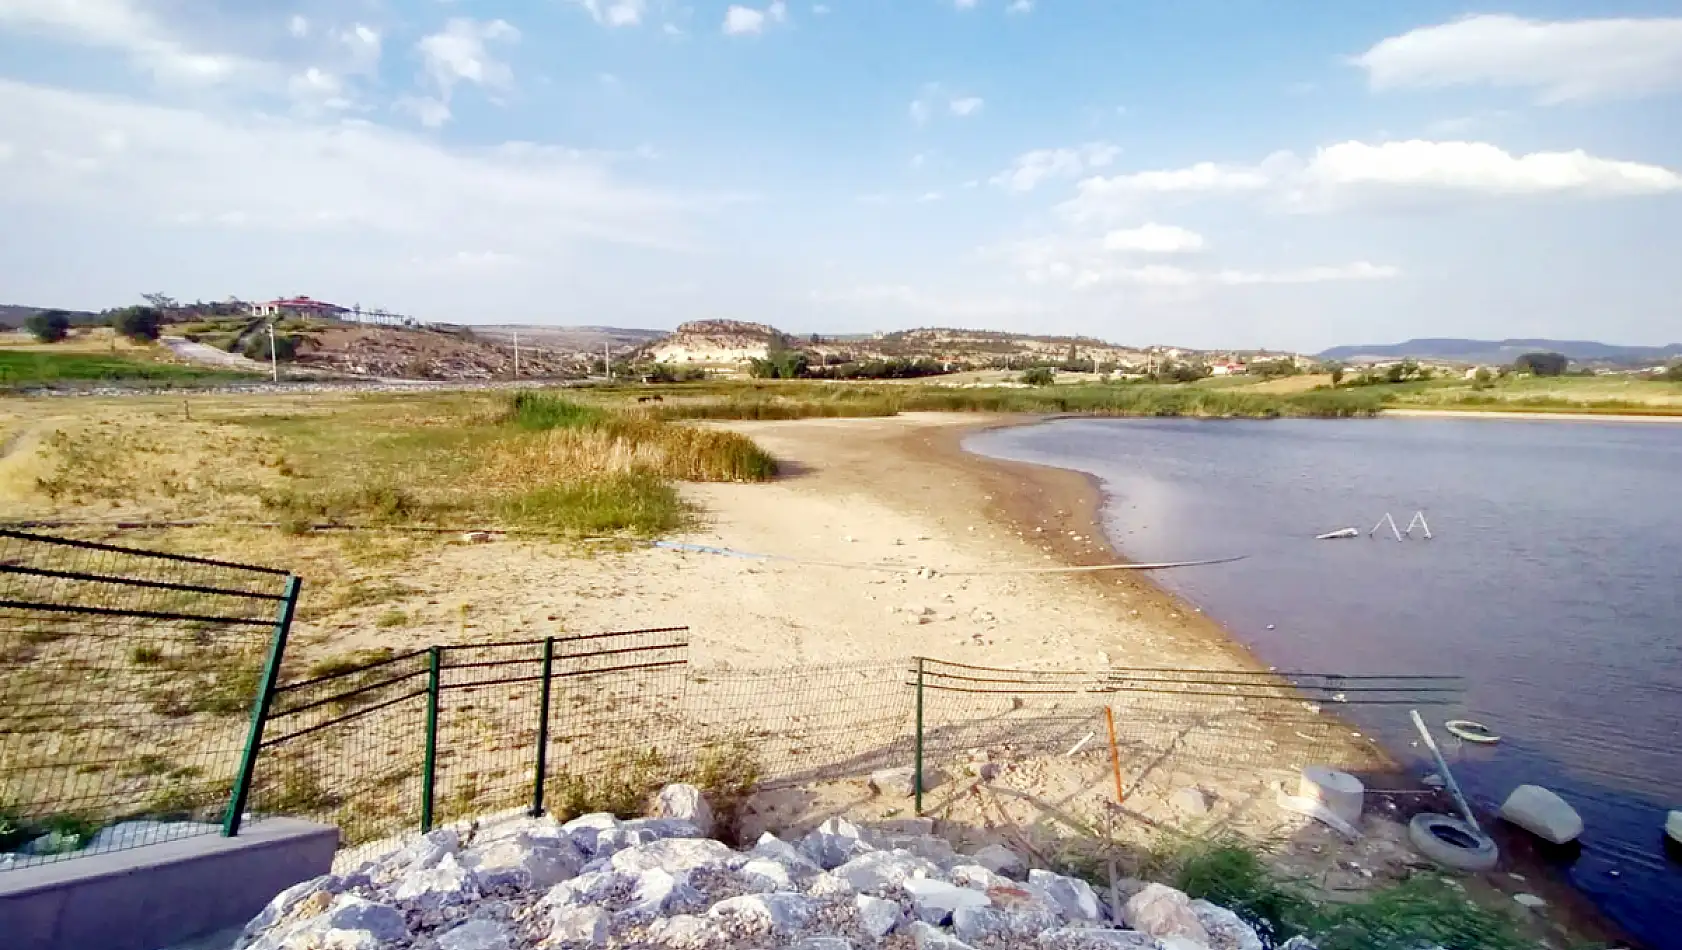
(1339, 533)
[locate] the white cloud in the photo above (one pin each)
(1360, 270)
(298, 26)
(362, 44)
(1020, 6)
(317, 88)
(615, 12)
(967, 106)
(778, 10)
(743, 20)
(934, 97)
(355, 179)
(125, 26)
(1031, 168)
(461, 53)
(1100, 198)
(1563, 60)
(430, 112)
(1481, 168)
(1152, 238)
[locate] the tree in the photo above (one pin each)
(1040, 376)
(138, 323)
(1337, 375)
(1541, 364)
(1674, 373)
(49, 326)
(162, 302)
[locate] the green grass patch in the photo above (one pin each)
(30, 368)
(542, 411)
(640, 503)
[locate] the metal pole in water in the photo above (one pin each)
(1448, 776)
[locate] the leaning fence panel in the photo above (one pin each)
(126, 681)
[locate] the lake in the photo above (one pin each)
(1553, 584)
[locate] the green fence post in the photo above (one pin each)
(917, 773)
(260, 710)
(543, 729)
(429, 765)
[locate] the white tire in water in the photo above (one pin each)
(1452, 843)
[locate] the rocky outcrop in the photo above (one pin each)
(599, 882)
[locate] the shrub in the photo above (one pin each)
(48, 326)
(1040, 376)
(285, 347)
(138, 323)
(541, 411)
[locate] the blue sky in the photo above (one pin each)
(1202, 173)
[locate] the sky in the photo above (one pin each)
(1241, 173)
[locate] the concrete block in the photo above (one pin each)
(161, 894)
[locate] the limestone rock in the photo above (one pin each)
(586, 831)
(477, 935)
(984, 925)
(976, 877)
(684, 803)
(1001, 860)
(876, 870)
(1543, 814)
(772, 848)
(1189, 801)
(834, 843)
(826, 884)
(935, 901)
(355, 923)
(767, 875)
(1072, 894)
(304, 899)
(824, 943)
(1084, 938)
(877, 917)
(523, 861)
(899, 781)
(1177, 943)
(931, 848)
(1162, 911)
(591, 887)
(445, 884)
(419, 854)
(775, 913)
(686, 930)
(1226, 930)
(658, 891)
(926, 937)
(580, 926)
(1298, 943)
(674, 855)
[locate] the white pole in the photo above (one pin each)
(607, 362)
(274, 357)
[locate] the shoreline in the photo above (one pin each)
(1021, 492)
(1518, 415)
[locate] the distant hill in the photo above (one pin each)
(571, 339)
(13, 315)
(1504, 351)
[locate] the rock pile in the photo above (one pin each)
(597, 881)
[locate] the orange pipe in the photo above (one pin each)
(1115, 755)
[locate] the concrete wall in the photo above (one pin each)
(161, 894)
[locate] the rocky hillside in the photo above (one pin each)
(398, 352)
(660, 882)
(718, 342)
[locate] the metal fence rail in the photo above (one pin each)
(126, 686)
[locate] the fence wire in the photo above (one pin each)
(127, 679)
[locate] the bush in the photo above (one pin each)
(48, 326)
(1040, 376)
(285, 347)
(141, 324)
(1541, 364)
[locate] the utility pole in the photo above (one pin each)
(274, 355)
(607, 362)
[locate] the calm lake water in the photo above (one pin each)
(1554, 585)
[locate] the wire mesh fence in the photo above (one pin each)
(126, 685)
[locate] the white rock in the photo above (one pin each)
(976, 877)
(524, 862)
(877, 917)
(777, 913)
(1176, 943)
(926, 937)
(876, 870)
(1072, 894)
(766, 875)
(1070, 938)
(899, 781)
(591, 887)
(1162, 911)
(1298, 943)
(1673, 826)
(826, 884)
(684, 803)
(983, 925)
(644, 830)
(674, 855)
(1001, 860)
(588, 926)
(282, 906)
(931, 848)
(686, 930)
(476, 935)
(823, 943)
(772, 848)
(935, 901)
(834, 843)
(1543, 814)
(586, 831)
(658, 891)
(1530, 900)
(357, 922)
(445, 884)
(1189, 801)
(1226, 930)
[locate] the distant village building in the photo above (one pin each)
(1226, 369)
(298, 307)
